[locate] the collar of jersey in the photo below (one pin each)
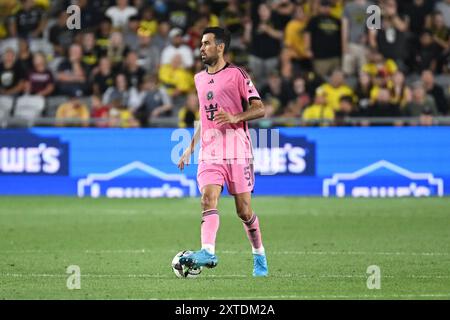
(224, 67)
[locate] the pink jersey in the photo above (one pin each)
(229, 89)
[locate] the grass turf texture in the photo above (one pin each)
(317, 248)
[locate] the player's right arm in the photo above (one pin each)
(184, 160)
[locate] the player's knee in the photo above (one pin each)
(244, 211)
(208, 202)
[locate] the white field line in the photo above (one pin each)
(326, 296)
(149, 251)
(166, 276)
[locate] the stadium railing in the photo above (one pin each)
(172, 122)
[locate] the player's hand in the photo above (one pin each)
(223, 117)
(184, 160)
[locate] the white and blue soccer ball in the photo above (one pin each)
(183, 271)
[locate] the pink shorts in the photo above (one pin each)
(240, 178)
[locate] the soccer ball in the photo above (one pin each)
(183, 271)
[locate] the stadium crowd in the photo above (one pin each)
(314, 62)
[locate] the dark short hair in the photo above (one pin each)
(221, 36)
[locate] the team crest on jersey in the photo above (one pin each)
(209, 95)
(210, 110)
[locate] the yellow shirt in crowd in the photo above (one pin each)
(390, 67)
(293, 37)
(179, 78)
(68, 111)
(318, 112)
(334, 94)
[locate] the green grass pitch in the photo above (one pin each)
(316, 248)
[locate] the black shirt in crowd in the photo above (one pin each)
(325, 36)
(10, 77)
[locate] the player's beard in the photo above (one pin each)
(210, 61)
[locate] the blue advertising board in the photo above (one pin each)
(127, 163)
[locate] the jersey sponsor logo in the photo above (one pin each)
(23, 153)
(136, 180)
(383, 179)
(210, 111)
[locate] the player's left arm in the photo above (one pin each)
(256, 110)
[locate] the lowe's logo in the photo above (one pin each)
(283, 155)
(385, 180)
(23, 153)
(136, 180)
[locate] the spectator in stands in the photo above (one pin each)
(24, 56)
(336, 89)
(148, 54)
(426, 54)
(73, 113)
(294, 58)
(120, 13)
(161, 39)
(90, 51)
(205, 10)
(120, 115)
(131, 38)
(282, 10)
(391, 39)
(299, 102)
(180, 13)
(231, 18)
(383, 106)
(362, 91)
(441, 37)
(153, 101)
(400, 92)
(347, 109)
(177, 47)
(354, 36)
(264, 39)
(133, 71)
(40, 80)
(59, 36)
(117, 51)
(377, 64)
(443, 6)
(176, 79)
(11, 74)
(100, 112)
(103, 36)
(148, 25)
(323, 40)
(195, 32)
(103, 77)
(436, 91)
(417, 13)
(421, 102)
(189, 113)
(120, 90)
(277, 89)
(90, 13)
(72, 74)
(319, 113)
(29, 22)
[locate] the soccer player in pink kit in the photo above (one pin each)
(227, 100)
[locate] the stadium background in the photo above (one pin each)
(131, 65)
(95, 116)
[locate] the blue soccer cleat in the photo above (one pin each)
(201, 258)
(260, 268)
